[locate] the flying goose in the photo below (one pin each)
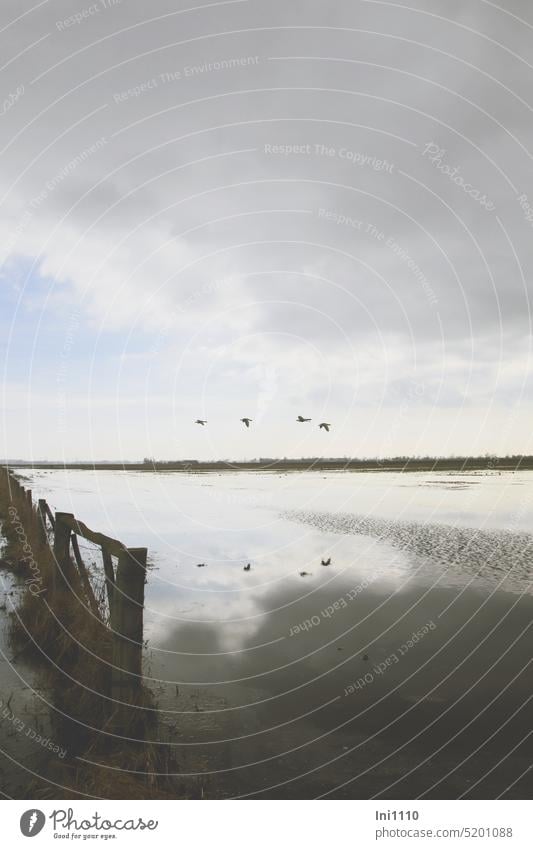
(326, 562)
(325, 425)
(246, 421)
(201, 421)
(247, 567)
(301, 419)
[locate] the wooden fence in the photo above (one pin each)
(124, 585)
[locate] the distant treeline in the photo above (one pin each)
(406, 464)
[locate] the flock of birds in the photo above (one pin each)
(246, 421)
(249, 566)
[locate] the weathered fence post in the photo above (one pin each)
(63, 563)
(128, 604)
(41, 515)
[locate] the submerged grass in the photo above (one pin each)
(108, 753)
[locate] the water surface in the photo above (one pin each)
(401, 657)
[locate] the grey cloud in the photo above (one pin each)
(231, 178)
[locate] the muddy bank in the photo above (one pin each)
(490, 558)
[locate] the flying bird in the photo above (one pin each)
(326, 562)
(301, 419)
(200, 565)
(246, 421)
(247, 567)
(325, 425)
(304, 574)
(200, 421)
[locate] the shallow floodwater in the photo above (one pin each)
(299, 679)
(27, 738)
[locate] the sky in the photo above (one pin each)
(241, 208)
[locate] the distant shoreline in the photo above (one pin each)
(400, 464)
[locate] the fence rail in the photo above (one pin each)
(124, 585)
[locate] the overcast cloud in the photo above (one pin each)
(246, 208)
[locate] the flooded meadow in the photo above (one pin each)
(336, 634)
